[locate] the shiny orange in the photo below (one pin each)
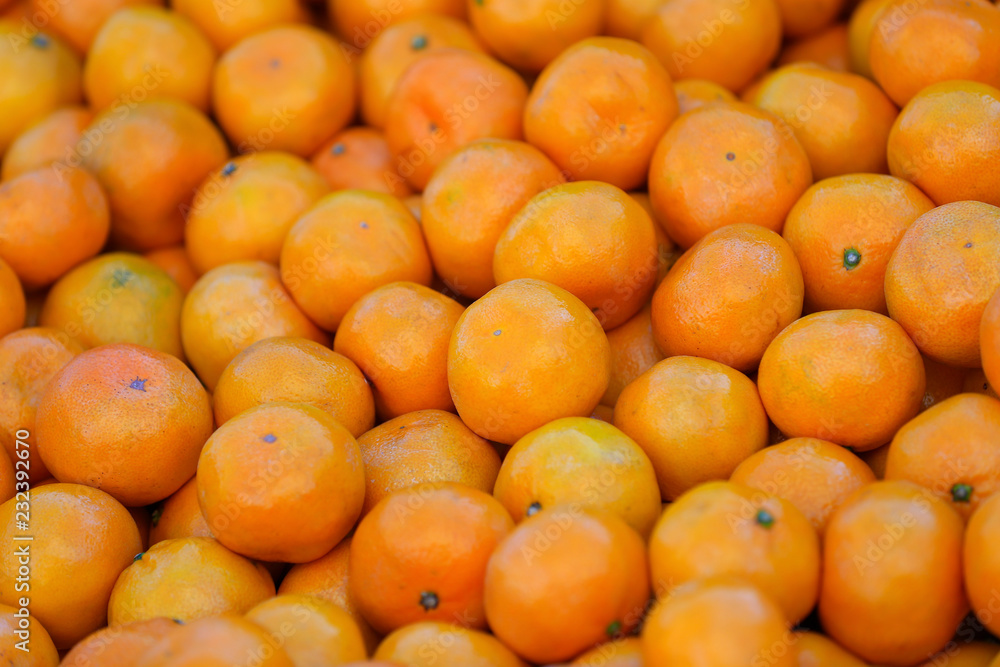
(807, 17)
(621, 653)
(313, 632)
(227, 24)
(816, 650)
(865, 19)
(430, 643)
(358, 21)
(828, 47)
(989, 339)
(13, 308)
(176, 262)
(179, 516)
(981, 564)
(78, 22)
(358, 158)
(220, 640)
(118, 646)
(633, 352)
(39, 651)
(627, 18)
(49, 140)
(694, 93)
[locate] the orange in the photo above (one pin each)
(13, 307)
(888, 550)
(843, 231)
(310, 373)
(842, 120)
(313, 632)
(721, 621)
(808, 17)
(424, 446)
(828, 47)
(975, 382)
(583, 461)
(683, 407)
(728, 296)
(28, 360)
(964, 38)
(176, 262)
(261, 468)
(694, 93)
(530, 35)
(40, 74)
(149, 49)
(82, 540)
(179, 516)
(965, 654)
(941, 277)
(16, 626)
(633, 352)
(445, 100)
(286, 88)
(358, 158)
(118, 646)
(876, 459)
(49, 140)
(397, 47)
(727, 42)
(359, 21)
(814, 475)
(214, 581)
(710, 170)
(526, 353)
(257, 306)
(217, 640)
(945, 141)
(227, 24)
(398, 335)
(469, 201)
(821, 376)
(981, 564)
(421, 554)
(621, 653)
(150, 161)
(816, 650)
(989, 339)
(51, 221)
(724, 528)
(865, 19)
(78, 22)
(565, 580)
(117, 297)
(9, 483)
(589, 238)
(599, 109)
(952, 450)
(429, 643)
(627, 18)
(126, 419)
(943, 381)
(244, 209)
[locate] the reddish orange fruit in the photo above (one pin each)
(358, 158)
(47, 141)
(429, 643)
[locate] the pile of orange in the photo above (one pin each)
(496, 333)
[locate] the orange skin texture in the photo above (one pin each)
(801, 18)
(842, 120)
(964, 38)
(50, 221)
(257, 306)
(469, 202)
(261, 467)
(684, 406)
(525, 35)
(126, 419)
(83, 539)
(627, 18)
(40, 74)
(244, 209)
(315, 632)
(345, 246)
(287, 88)
(118, 62)
(814, 475)
(728, 297)
(43, 652)
(28, 359)
(358, 158)
(599, 109)
(953, 443)
(215, 581)
(429, 643)
(981, 560)
(943, 381)
(890, 548)
(397, 47)
(717, 529)
(433, 539)
(694, 186)
(621, 653)
(821, 376)
(180, 516)
(864, 213)
(117, 297)
(150, 163)
(750, 38)
(225, 25)
(79, 22)
(589, 238)
(965, 654)
(424, 446)
(13, 307)
(118, 646)
(398, 334)
(8, 485)
(582, 461)
(816, 650)
(310, 372)
(550, 359)
(989, 339)
(217, 640)
(359, 20)
(445, 100)
(327, 578)
(721, 621)
(633, 352)
(828, 47)
(528, 582)
(940, 278)
(695, 93)
(176, 262)
(49, 140)
(864, 21)
(950, 164)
